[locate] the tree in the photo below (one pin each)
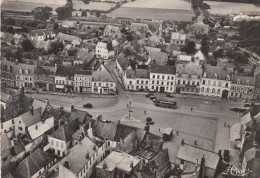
(27, 45)
(205, 46)
(18, 55)
(56, 28)
(190, 47)
(65, 12)
(84, 13)
(55, 47)
(10, 29)
(42, 13)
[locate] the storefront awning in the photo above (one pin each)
(60, 86)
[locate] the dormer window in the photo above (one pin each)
(20, 71)
(204, 75)
(228, 77)
(215, 76)
(247, 82)
(26, 72)
(238, 81)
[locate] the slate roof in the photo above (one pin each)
(65, 71)
(161, 160)
(5, 142)
(243, 80)
(39, 104)
(124, 130)
(163, 69)
(67, 37)
(45, 72)
(219, 70)
(111, 29)
(66, 131)
(104, 129)
(102, 75)
(85, 55)
(124, 62)
(191, 154)
(33, 163)
(77, 157)
(153, 141)
(29, 119)
(41, 128)
(24, 67)
(83, 72)
(178, 36)
(82, 116)
(189, 69)
(138, 73)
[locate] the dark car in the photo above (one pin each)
(148, 95)
(169, 95)
(226, 155)
(152, 97)
(88, 105)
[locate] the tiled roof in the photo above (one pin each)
(189, 69)
(30, 119)
(219, 70)
(45, 72)
(66, 131)
(39, 104)
(5, 142)
(138, 73)
(77, 157)
(152, 49)
(102, 75)
(83, 72)
(124, 62)
(104, 129)
(67, 37)
(162, 160)
(191, 154)
(41, 32)
(82, 116)
(163, 69)
(41, 128)
(33, 163)
(159, 58)
(243, 80)
(110, 29)
(65, 71)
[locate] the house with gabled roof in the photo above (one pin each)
(178, 39)
(61, 139)
(64, 78)
(136, 80)
(105, 50)
(26, 120)
(82, 159)
(42, 34)
(35, 164)
(111, 30)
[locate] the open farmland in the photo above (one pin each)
(93, 5)
(151, 13)
(24, 6)
(224, 8)
(177, 10)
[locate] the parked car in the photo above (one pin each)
(88, 105)
(148, 95)
(169, 95)
(28, 92)
(152, 97)
(226, 155)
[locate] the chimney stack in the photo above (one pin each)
(31, 110)
(195, 142)
(36, 126)
(67, 164)
(47, 102)
(182, 141)
(131, 165)
(87, 155)
(72, 108)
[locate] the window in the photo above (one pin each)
(209, 82)
(157, 82)
(111, 84)
(152, 82)
(52, 142)
(61, 145)
(57, 143)
(137, 81)
(172, 77)
(26, 72)
(168, 77)
(163, 77)
(226, 85)
(208, 90)
(219, 83)
(214, 83)
(153, 76)
(142, 82)
(158, 76)
(203, 82)
(20, 71)
(171, 83)
(17, 77)
(218, 92)
(179, 82)
(20, 128)
(146, 82)
(213, 90)
(130, 82)
(161, 83)
(183, 82)
(202, 89)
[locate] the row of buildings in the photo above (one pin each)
(58, 78)
(189, 75)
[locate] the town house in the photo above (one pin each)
(105, 50)
(162, 78)
(112, 31)
(102, 82)
(64, 77)
(136, 80)
(82, 159)
(24, 75)
(216, 81)
(45, 78)
(82, 81)
(7, 76)
(42, 34)
(178, 39)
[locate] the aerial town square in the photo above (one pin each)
(130, 89)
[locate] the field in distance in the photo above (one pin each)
(225, 8)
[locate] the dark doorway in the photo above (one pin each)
(162, 89)
(178, 90)
(225, 94)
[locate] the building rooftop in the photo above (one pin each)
(137, 73)
(66, 131)
(120, 161)
(163, 69)
(33, 163)
(192, 154)
(102, 75)
(65, 71)
(67, 37)
(81, 116)
(79, 155)
(243, 80)
(30, 118)
(41, 32)
(139, 27)
(159, 58)
(39, 104)
(220, 71)
(104, 129)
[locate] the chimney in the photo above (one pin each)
(202, 163)
(104, 165)
(67, 164)
(2, 111)
(131, 165)
(117, 122)
(94, 147)
(72, 108)
(61, 109)
(31, 110)
(195, 142)
(87, 155)
(99, 117)
(182, 141)
(12, 143)
(47, 102)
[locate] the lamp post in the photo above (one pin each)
(129, 110)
